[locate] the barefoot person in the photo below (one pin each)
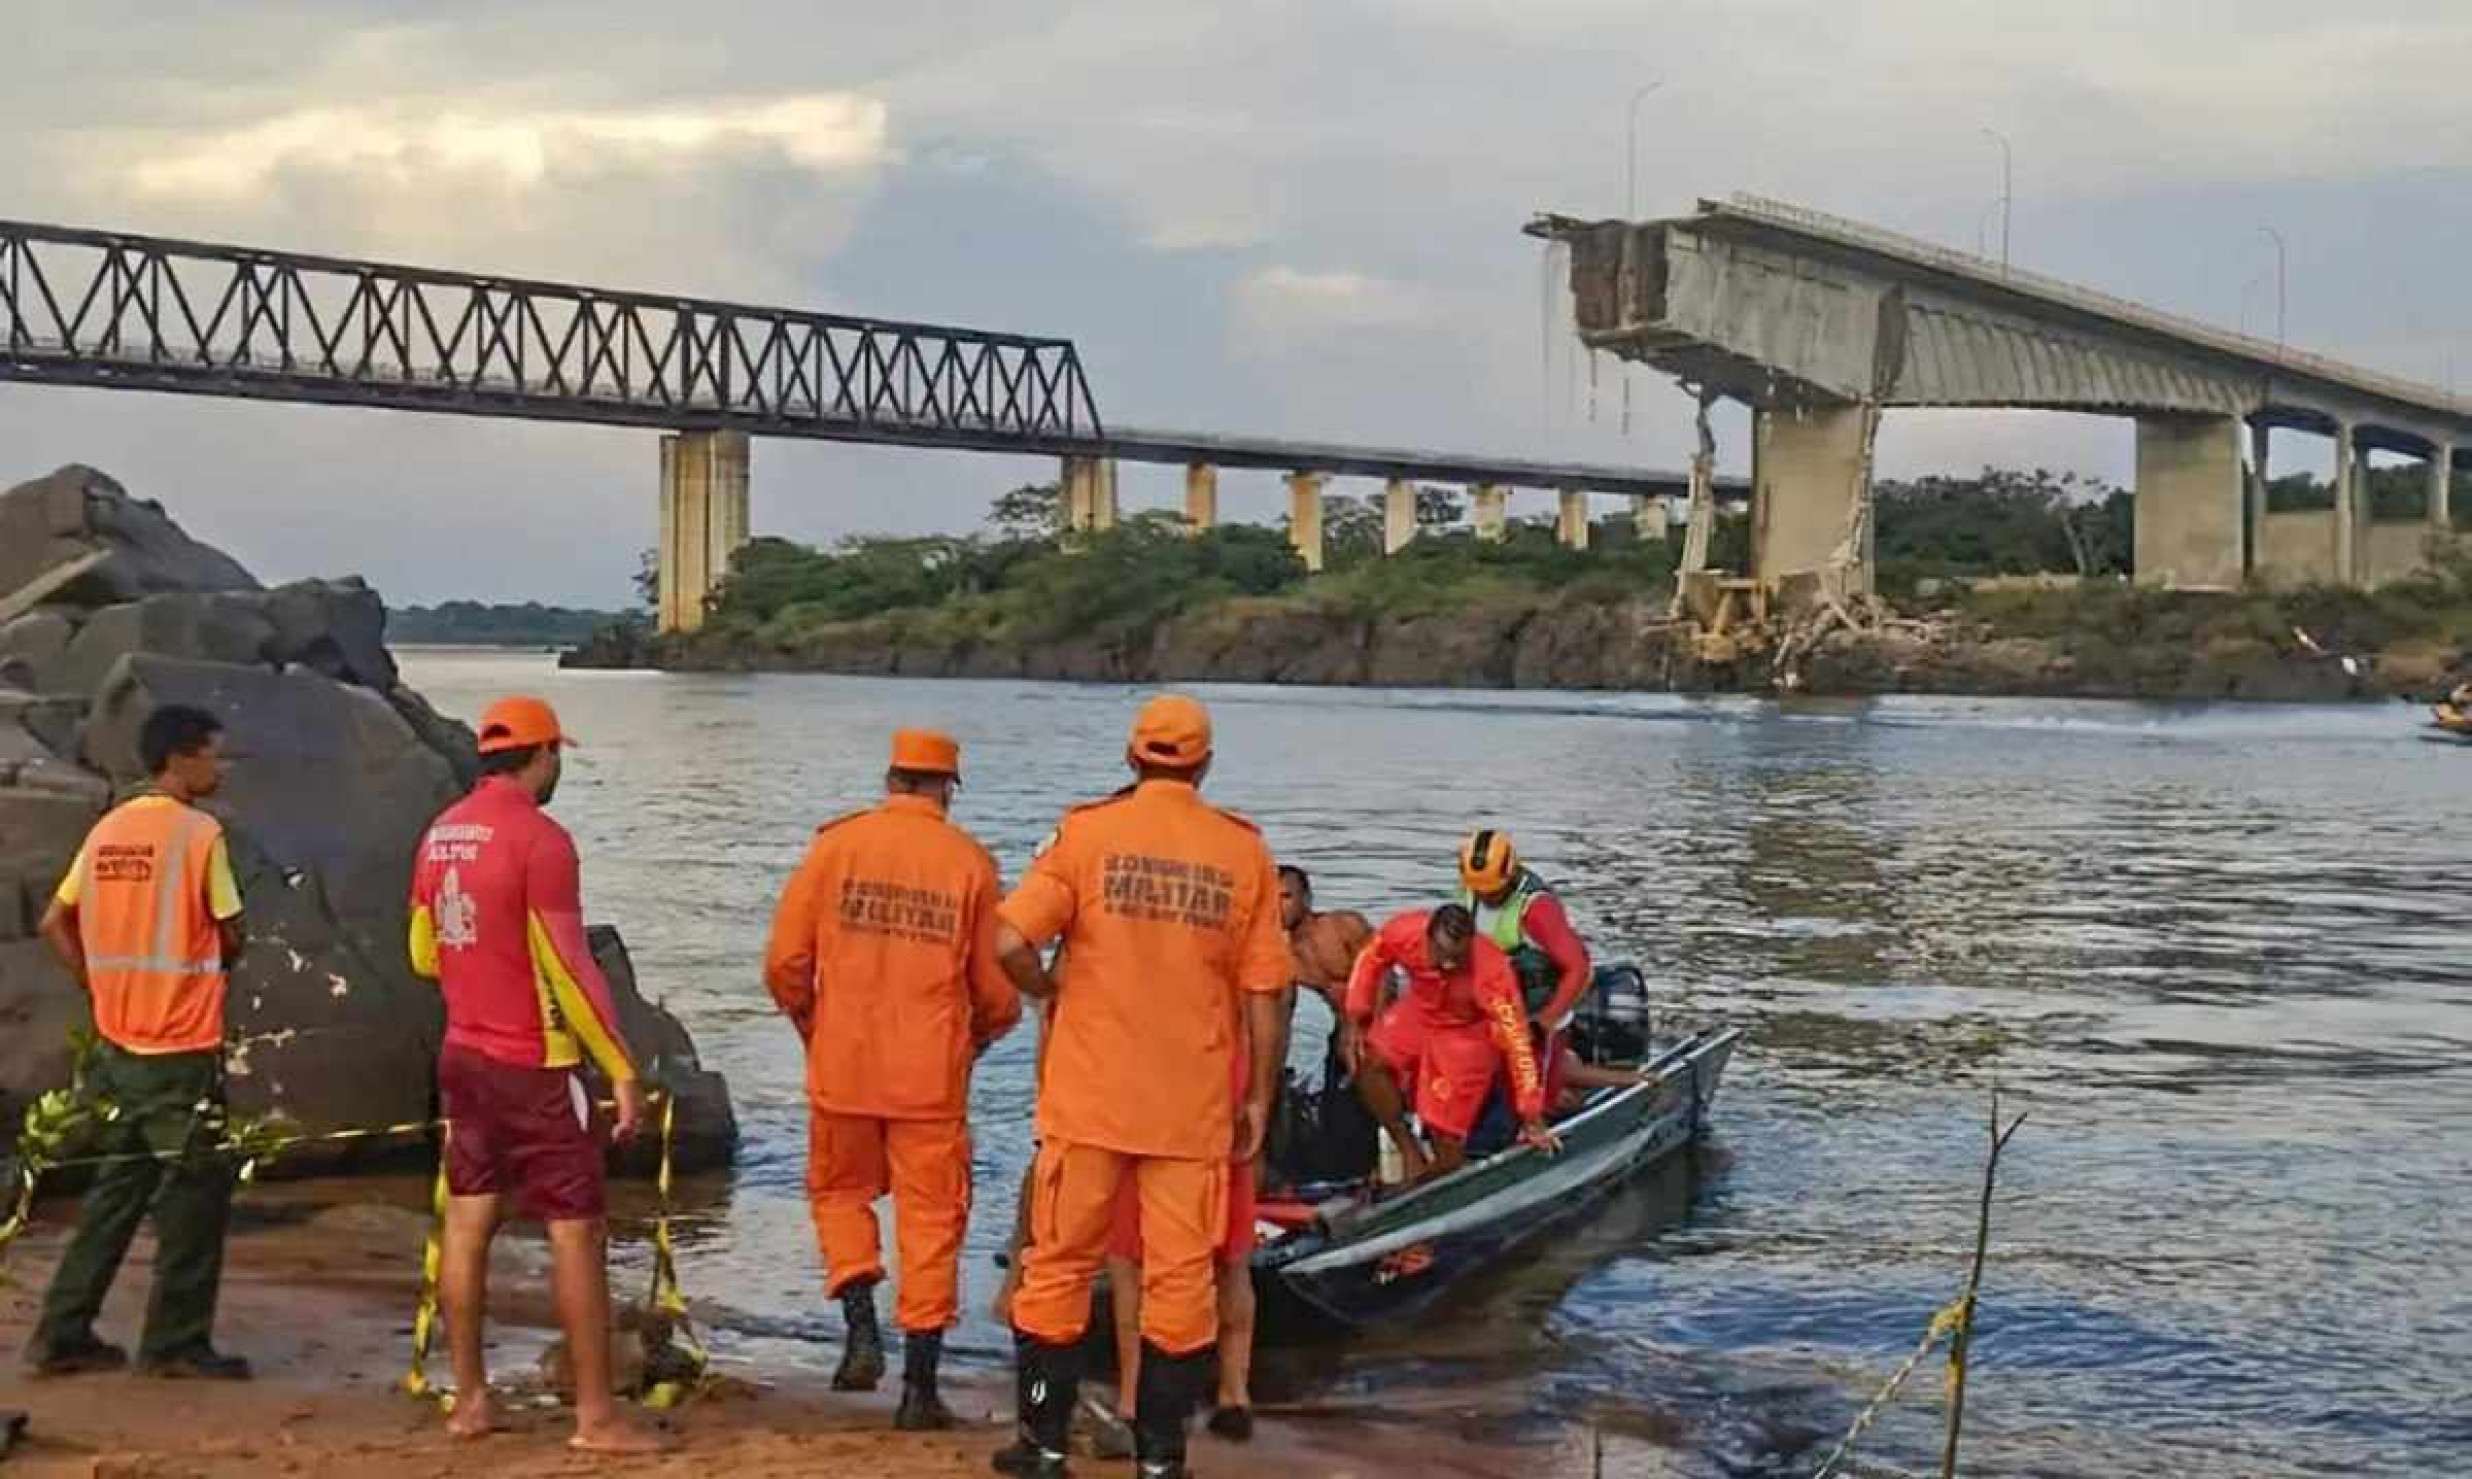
(1232, 1417)
(148, 923)
(1169, 910)
(883, 953)
(498, 922)
(1459, 1021)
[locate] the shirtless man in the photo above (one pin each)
(1324, 946)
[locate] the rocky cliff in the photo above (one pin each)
(108, 609)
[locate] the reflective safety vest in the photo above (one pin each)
(149, 886)
(1507, 927)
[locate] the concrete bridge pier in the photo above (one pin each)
(2190, 497)
(1201, 496)
(1571, 519)
(1649, 517)
(1810, 491)
(1398, 515)
(1305, 516)
(2399, 549)
(1491, 508)
(703, 521)
(1089, 494)
(2348, 502)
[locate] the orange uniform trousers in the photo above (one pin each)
(925, 1164)
(1073, 1190)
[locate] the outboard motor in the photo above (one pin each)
(1612, 1024)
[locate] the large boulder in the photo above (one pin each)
(211, 628)
(325, 776)
(40, 1010)
(37, 641)
(334, 627)
(39, 835)
(707, 1129)
(108, 611)
(77, 512)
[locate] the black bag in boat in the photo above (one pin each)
(1321, 1133)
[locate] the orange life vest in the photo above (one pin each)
(154, 957)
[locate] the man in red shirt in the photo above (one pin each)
(498, 922)
(1459, 1021)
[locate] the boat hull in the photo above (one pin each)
(1395, 1258)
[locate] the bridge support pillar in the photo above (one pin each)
(1571, 519)
(2441, 487)
(1089, 494)
(1811, 494)
(2189, 502)
(1305, 515)
(2348, 507)
(2258, 477)
(1398, 515)
(1201, 496)
(703, 520)
(1492, 508)
(1649, 518)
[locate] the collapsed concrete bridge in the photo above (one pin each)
(1819, 324)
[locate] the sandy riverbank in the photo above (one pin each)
(319, 1294)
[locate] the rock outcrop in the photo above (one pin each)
(107, 610)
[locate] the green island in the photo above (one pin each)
(494, 624)
(2005, 582)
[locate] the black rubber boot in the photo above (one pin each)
(921, 1410)
(862, 1344)
(1163, 1403)
(1047, 1384)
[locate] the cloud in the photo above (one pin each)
(405, 146)
(1279, 306)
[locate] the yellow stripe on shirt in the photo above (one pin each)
(570, 1017)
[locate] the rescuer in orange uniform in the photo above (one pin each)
(148, 923)
(1169, 913)
(883, 953)
(1459, 1021)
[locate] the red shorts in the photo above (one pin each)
(1235, 1243)
(1445, 1071)
(522, 1133)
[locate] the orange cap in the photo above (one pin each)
(1171, 730)
(929, 750)
(513, 723)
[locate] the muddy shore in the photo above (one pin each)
(319, 1292)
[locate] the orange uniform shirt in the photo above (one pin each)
(1481, 996)
(1169, 912)
(883, 950)
(149, 887)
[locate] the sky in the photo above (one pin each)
(1265, 218)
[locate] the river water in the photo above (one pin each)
(2218, 954)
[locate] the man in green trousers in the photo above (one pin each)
(148, 922)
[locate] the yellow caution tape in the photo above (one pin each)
(664, 1296)
(433, 1259)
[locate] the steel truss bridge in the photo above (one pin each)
(151, 313)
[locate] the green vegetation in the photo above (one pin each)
(476, 624)
(2000, 523)
(1024, 581)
